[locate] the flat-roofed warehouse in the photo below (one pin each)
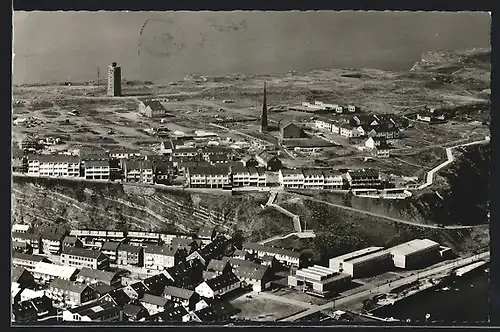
(319, 280)
(362, 263)
(414, 254)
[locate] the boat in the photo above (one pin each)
(446, 288)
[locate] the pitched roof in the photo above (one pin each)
(170, 315)
(70, 239)
(155, 300)
(156, 284)
(67, 285)
(271, 250)
(178, 292)
(217, 265)
(104, 276)
(288, 171)
(93, 254)
(254, 271)
(239, 253)
(266, 156)
(17, 271)
(102, 288)
(95, 309)
(60, 271)
(55, 158)
(28, 257)
(138, 164)
(179, 242)
(129, 248)
(155, 105)
(361, 173)
(119, 296)
(110, 245)
(222, 281)
(134, 310)
(164, 250)
(26, 236)
(96, 163)
(312, 172)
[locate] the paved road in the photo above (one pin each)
(387, 287)
(450, 159)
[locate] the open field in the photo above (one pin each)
(263, 309)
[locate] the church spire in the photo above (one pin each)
(263, 127)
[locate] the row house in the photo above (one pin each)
(208, 151)
(138, 171)
(28, 261)
(181, 297)
(78, 257)
(34, 240)
(219, 312)
(184, 164)
(54, 166)
(136, 291)
(332, 180)
(218, 159)
(291, 178)
(214, 249)
(96, 311)
(130, 255)
(97, 170)
(162, 257)
(219, 266)
(209, 177)
(155, 304)
(285, 257)
(171, 315)
(93, 276)
(185, 152)
(124, 154)
(384, 132)
(364, 178)
(65, 293)
(269, 161)
(313, 179)
(218, 286)
(96, 239)
(324, 124)
(351, 131)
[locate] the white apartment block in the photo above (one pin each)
(97, 170)
(291, 178)
(332, 180)
(54, 166)
(313, 179)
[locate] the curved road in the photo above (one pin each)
(387, 287)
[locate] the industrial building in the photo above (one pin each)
(362, 263)
(319, 280)
(114, 80)
(415, 254)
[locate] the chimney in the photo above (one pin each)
(264, 127)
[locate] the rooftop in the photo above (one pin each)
(95, 309)
(97, 163)
(155, 105)
(93, 254)
(413, 246)
(129, 248)
(222, 281)
(206, 232)
(104, 276)
(178, 292)
(60, 271)
(155, 300)
(28, 257)
(55, 158)
(358, 253)
(109, 245)
(67, 285)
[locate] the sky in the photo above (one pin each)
(166, 46)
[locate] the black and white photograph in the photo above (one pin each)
(250, 167)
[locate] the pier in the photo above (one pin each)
(460, 272)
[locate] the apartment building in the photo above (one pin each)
(28, 261)
(291, 178)
(313, 179)
(284, 256)
(93, 276)
(138, 171)
(332, 180)
(78, 257)
(97, 170)
(364, 178)
(209, 177)
(256, 275)
(130, 255)
(44, 272)
(124, 154)
(52, 239)
(54, 166)
(67, 293)
(351, 131)
(34, 240)
(110, 249)
(161, 257)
